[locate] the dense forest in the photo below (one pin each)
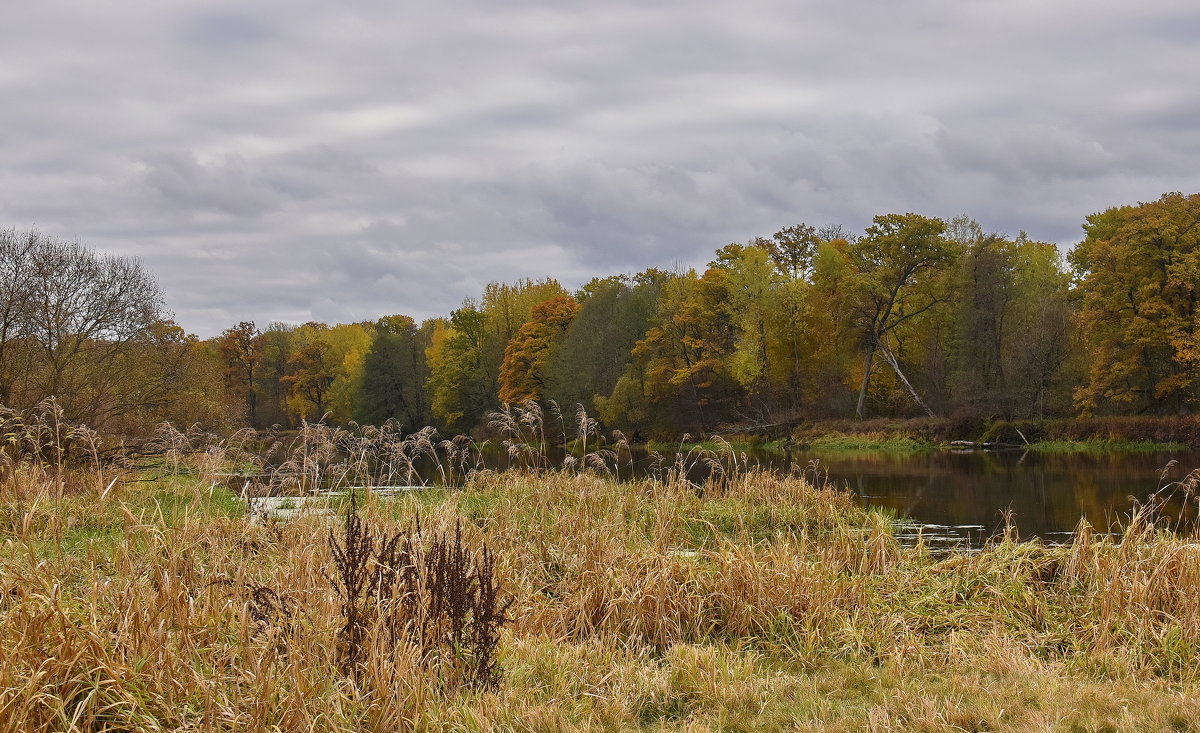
(913, 316)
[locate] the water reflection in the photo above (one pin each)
(953, 495)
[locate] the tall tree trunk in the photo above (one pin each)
(866, 378)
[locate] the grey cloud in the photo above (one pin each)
(1036, 151)
(225, 31)
(297, 160)
(183, 184)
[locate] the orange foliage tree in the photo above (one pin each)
(522, 374)
(1138, 270)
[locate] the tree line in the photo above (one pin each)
(913, 316)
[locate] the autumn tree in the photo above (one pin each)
(169, 375)
(348, 347)
(770, 303)
(1138, 269)
(72, 316)
(89, 330)
(792, 250)
(276, 347)
(679, 380)
(16, 303)
(827, 340)
(897, 264)
(199, 396)
(311, 374)
(238, 349)
(523, 372)
(506, 307)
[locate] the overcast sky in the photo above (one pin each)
(298, 160)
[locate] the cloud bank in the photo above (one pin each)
(306, 160)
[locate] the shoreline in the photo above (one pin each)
(1057, 435)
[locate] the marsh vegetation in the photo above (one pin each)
(137, 594)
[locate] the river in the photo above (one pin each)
(962, 496)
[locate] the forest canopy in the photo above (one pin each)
(914, 316)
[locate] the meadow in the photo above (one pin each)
(143, 594)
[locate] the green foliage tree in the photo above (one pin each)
(761, 307)
(614, 314)
(1040, 341)
(394, 373)
(827, 338)
(1012, 322)
(987, 290)
(460, 386)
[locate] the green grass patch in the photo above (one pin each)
(1104, 446)
(838, 442)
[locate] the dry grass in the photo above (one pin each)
(759, 604)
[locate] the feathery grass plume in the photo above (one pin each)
(813, 472)
(172, 444)
(554, 410)
(42, 454)
(1175, 504)
(523, 436)
(585, 427)
(620, 442)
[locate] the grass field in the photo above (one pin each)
(761, 604)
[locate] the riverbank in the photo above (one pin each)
(898, 442)
(1103, 434)
(759, 603)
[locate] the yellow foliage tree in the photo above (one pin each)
(1138, 270)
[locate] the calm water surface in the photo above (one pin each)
(952, 496)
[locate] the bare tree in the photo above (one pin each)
(74, 314)
(15, 297)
